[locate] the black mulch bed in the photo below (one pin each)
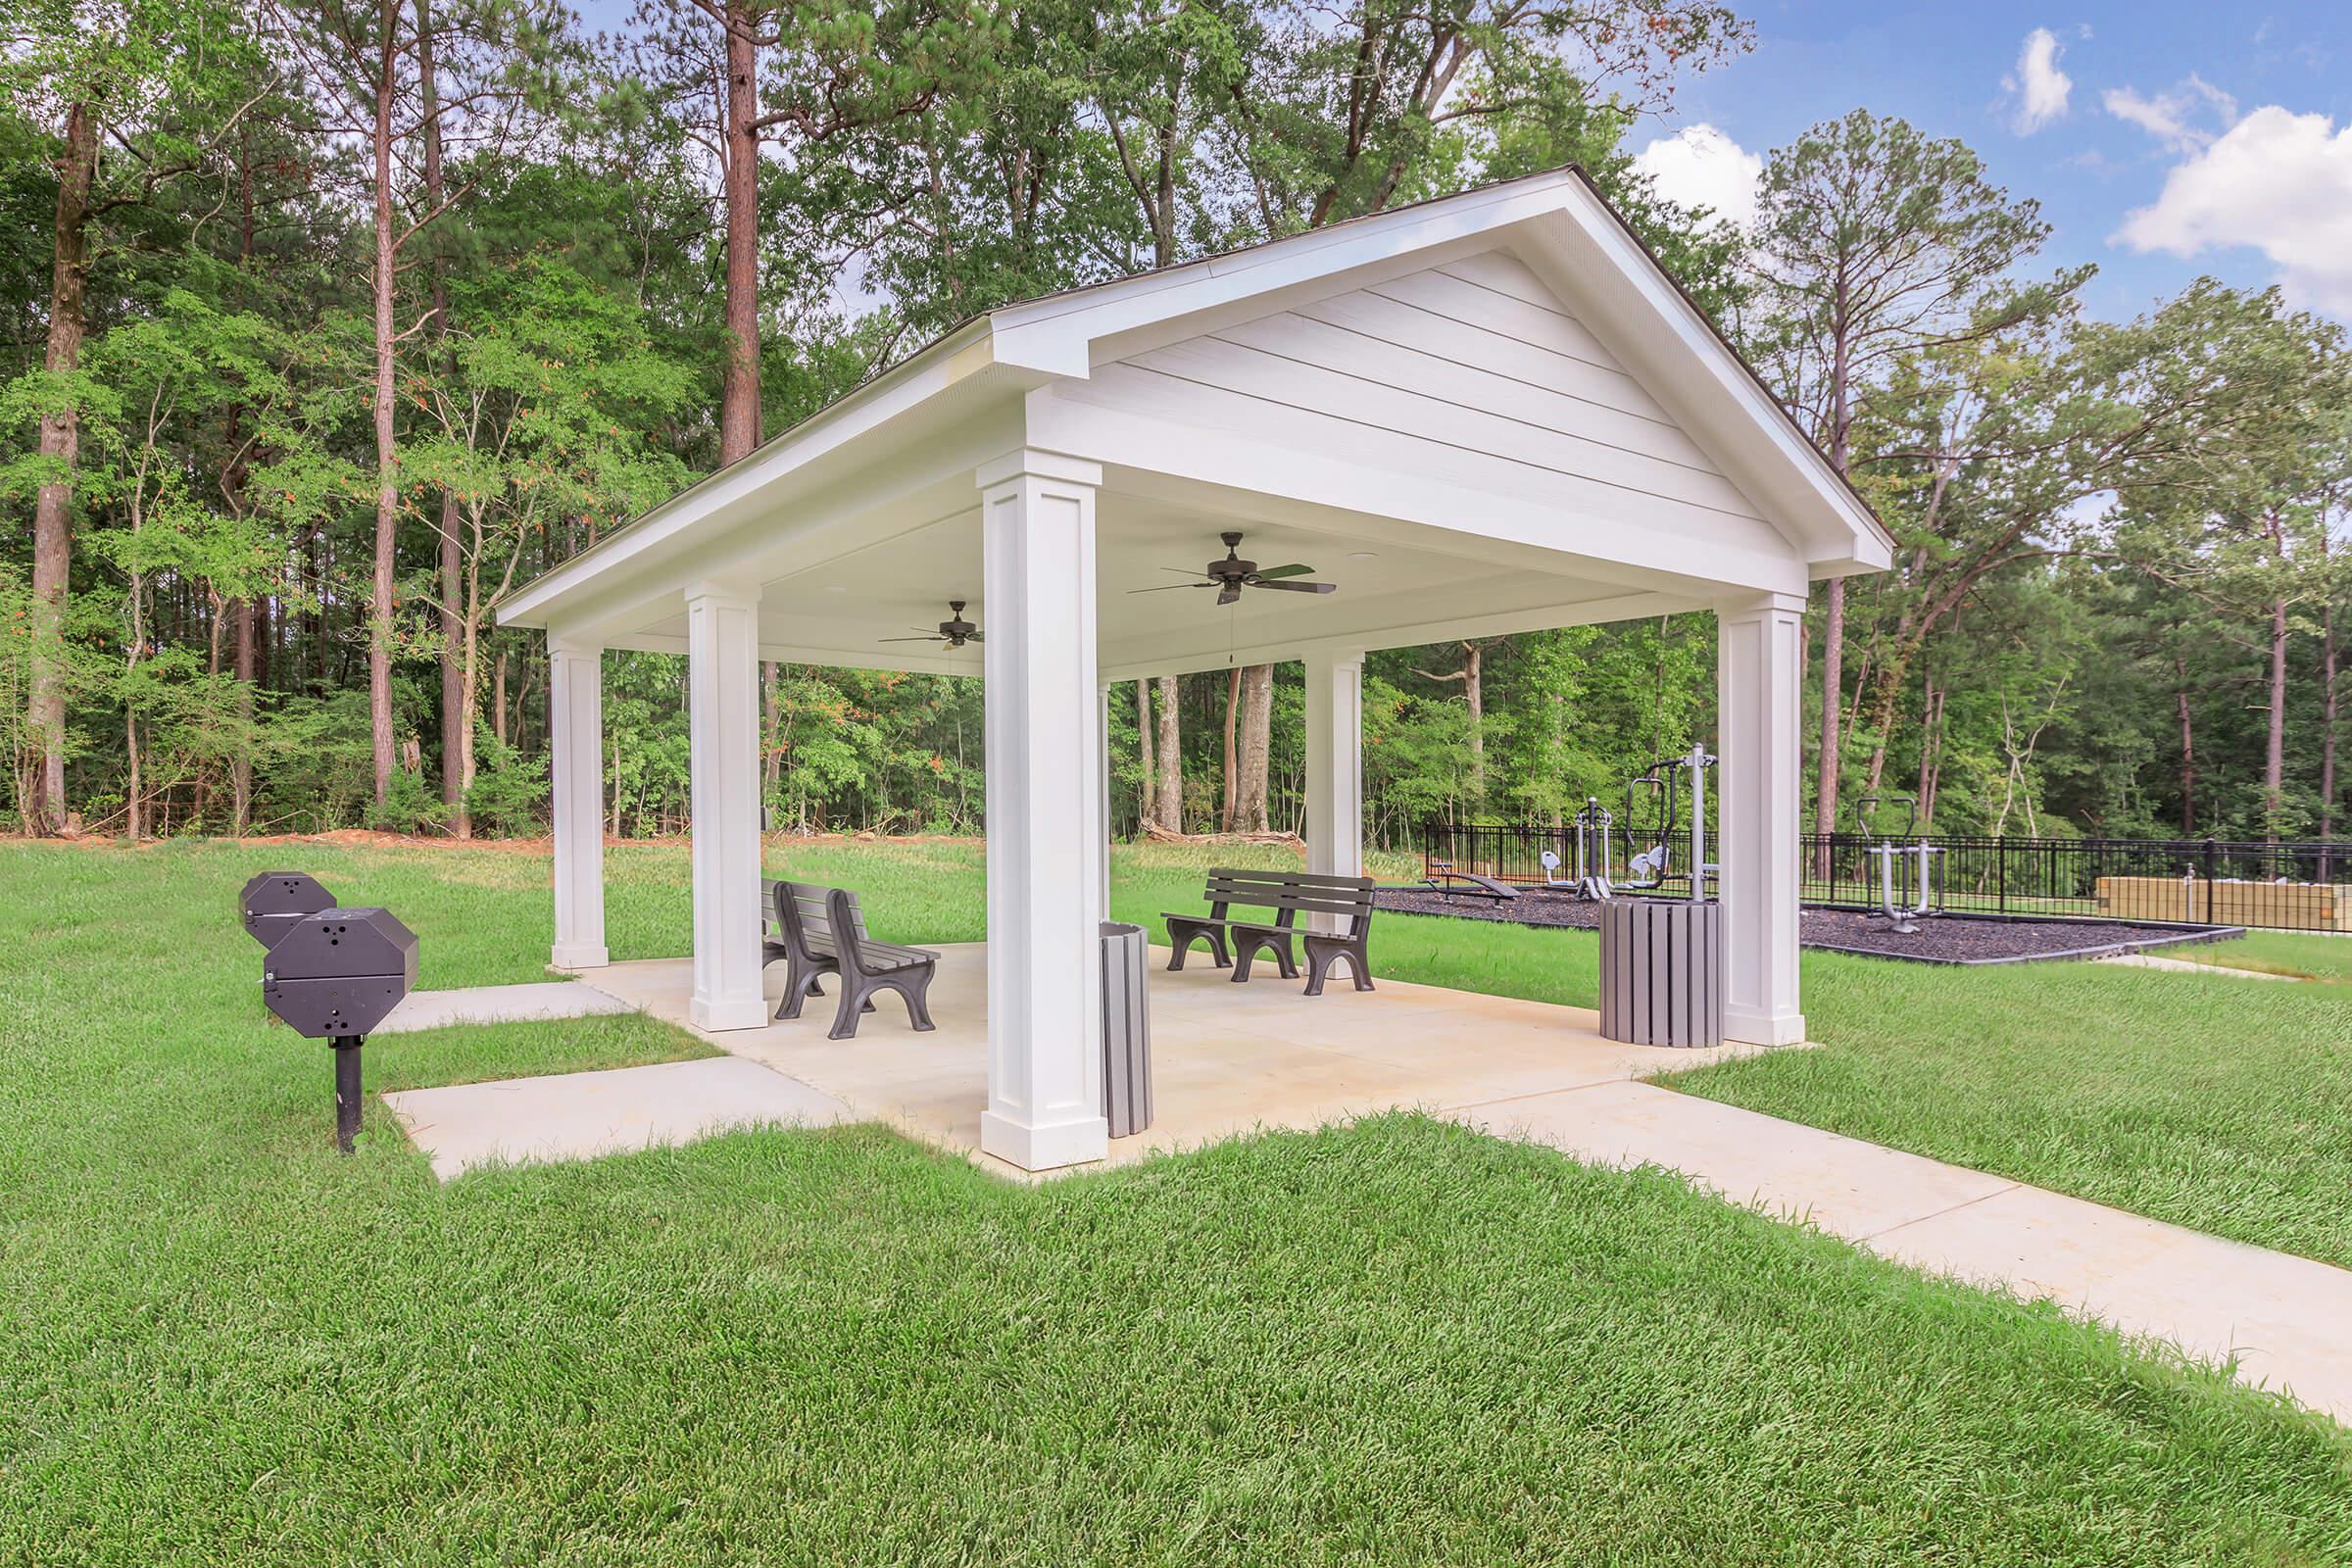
(1941, 939)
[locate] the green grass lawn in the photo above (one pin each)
(2213, 1101)
(221, 1343)
(2307, 954)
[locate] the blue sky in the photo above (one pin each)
(2163, 139)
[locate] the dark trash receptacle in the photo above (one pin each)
(276, 901)
(1661, 971)
(1126, 1029)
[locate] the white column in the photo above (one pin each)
(1045, 851)
(1335, 767)
(722, 700)
(1759, 705)
(577, 738)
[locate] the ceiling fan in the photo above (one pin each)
(1232, 574)
(954, 631)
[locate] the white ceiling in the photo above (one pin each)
(903, 583)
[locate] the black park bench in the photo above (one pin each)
(820, 931)
(1287, 895)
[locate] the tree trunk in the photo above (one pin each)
(387, 448)
(2189, 751)
(2327, 695)
(1171, 758)
(1233, 713)
(1832, 699)
(1833, 622)
(457, 717)
(60, 443)
(240, 770)
(1930, 748)
(2273, 756)
(1146, 805)
(1257, 752)
(498, 698)
(739, 386)
(771, 756)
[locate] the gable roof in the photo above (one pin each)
(1557, 221)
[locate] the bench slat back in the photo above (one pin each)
(1300, 892)
(805, 916)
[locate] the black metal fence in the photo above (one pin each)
(2303, 886)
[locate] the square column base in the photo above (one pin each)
(1069, 1143)
(718, 1014)
(579, 955)
(1762, 1028)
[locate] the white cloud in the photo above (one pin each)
(2172, 116)
(2041, 88)
(1701, 167)
(2278, 182)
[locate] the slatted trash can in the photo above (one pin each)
(1661, 971)
(276, 901)
(1126, 1029)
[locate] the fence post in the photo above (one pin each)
(2212, 855)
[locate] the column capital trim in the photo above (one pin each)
(559, 646)
(708, 591)
(1036, 463)
(1756, 607)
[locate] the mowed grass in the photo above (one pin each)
(1399, 1342)
(2210, 1101)
(2306, 954)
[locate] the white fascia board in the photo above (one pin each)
(824, 658)
(1057, 335)
(1584, 253)
(951, 360)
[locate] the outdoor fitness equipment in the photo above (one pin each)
(1592, 877)
(1653, 868)
(1903, 917)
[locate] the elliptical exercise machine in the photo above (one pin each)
(1653, 867)
(1903, 917)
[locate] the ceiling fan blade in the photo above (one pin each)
(1291, 570)
(1232, 592)
(1180, 572)
(1164, 587)
(1300, 587)
(975, 638)
(911, 639)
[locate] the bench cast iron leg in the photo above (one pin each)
(1182, 946)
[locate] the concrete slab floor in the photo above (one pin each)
(1226, 1058)
(523, 1003)
(578, 1115)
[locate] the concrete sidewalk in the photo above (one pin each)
(2286, 1320)
(535, 1001)
(579, 1115)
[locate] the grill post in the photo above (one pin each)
(346, 1089)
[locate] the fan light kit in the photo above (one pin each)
(1230, 575)
(954, 631)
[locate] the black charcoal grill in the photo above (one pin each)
(333, 975)
(276, 901)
